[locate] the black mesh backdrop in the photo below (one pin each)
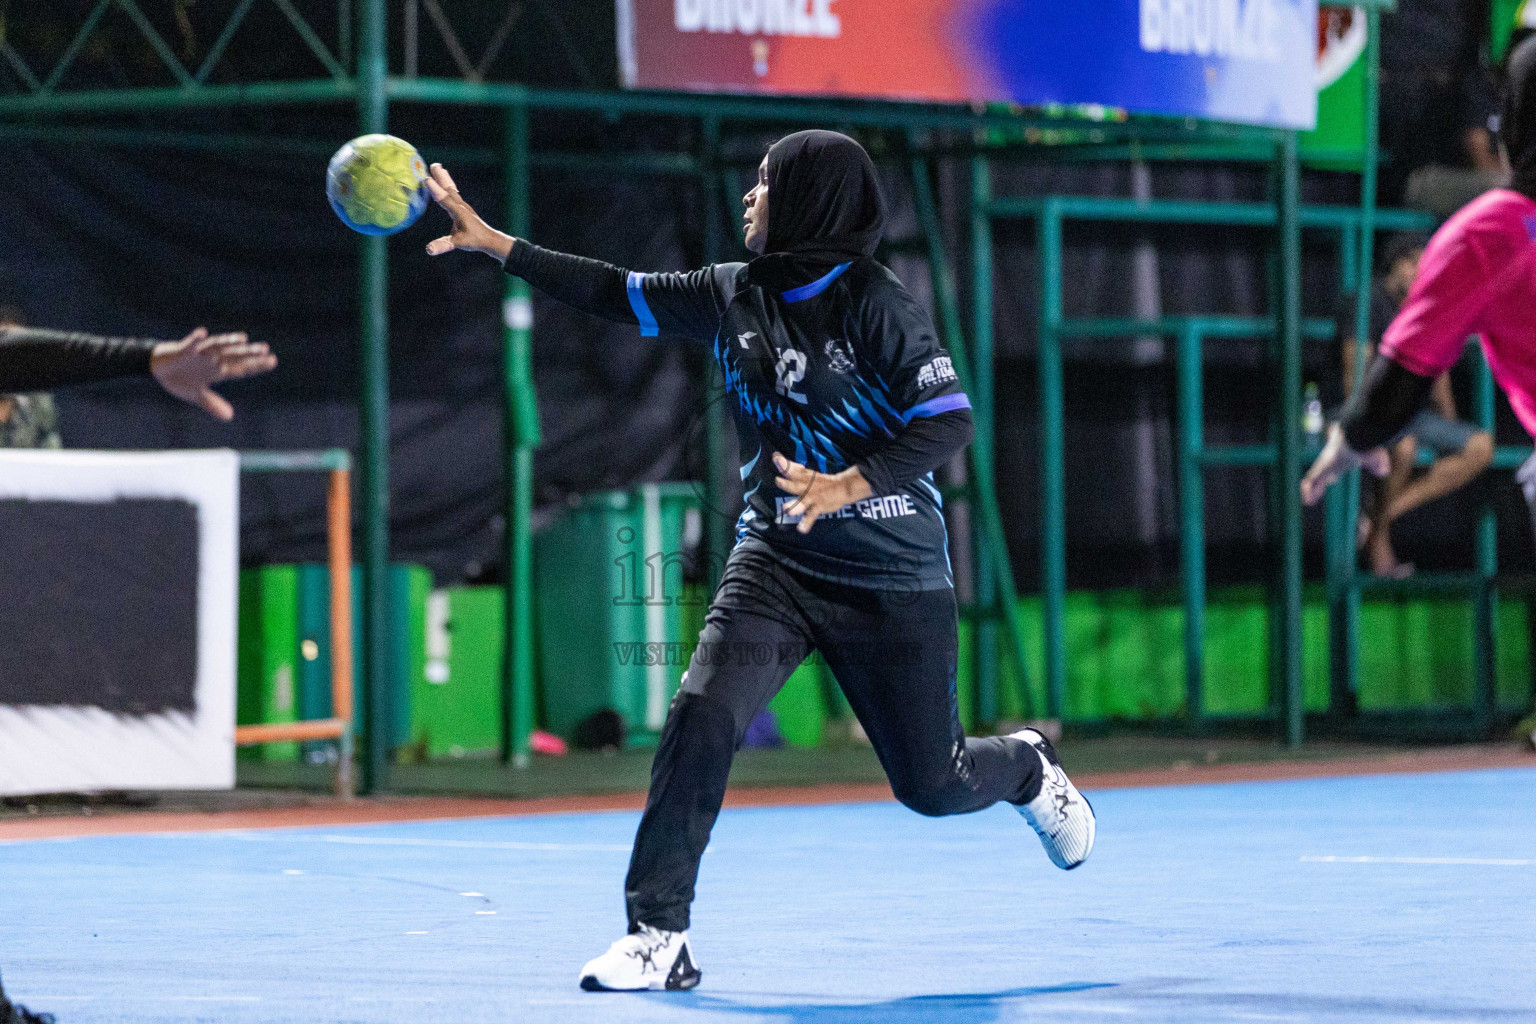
(155, 243)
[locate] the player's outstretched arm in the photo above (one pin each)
(190, 367)
(676, 303)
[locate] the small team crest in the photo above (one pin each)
(839, 357)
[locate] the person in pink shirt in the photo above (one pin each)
(1477, 276)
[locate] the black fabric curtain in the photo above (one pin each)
(155, 243)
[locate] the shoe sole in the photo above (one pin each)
(1047, 751)
(1093, 817)
(589, 983)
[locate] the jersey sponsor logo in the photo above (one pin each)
(941, 370)
(789, 372)
(886, 506)
(839, 357)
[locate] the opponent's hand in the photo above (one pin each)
(469, 230)
(818, 493)
(1336, 459)
(188, 368)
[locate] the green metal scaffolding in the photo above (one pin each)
(920, 134)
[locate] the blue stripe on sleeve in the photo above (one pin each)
(634, 285)
(934, 406)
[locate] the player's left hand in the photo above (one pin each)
(1336, 459)
(188, 368)
(817, 494)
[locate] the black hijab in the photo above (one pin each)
(824, 208)
(1517, 123)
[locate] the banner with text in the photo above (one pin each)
(1248, 61)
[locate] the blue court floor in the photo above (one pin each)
(1408, 898)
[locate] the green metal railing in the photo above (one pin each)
(46, 112)
(1049, 214)
(1347, 585)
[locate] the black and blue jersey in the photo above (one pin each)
(827, 374)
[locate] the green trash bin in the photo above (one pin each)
(285, 652)
(608, 593)
(268, 654)
(408, 586)
(456, 699)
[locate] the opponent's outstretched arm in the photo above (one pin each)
(41, 360)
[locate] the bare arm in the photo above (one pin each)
(1350, 348)
(1441, 394)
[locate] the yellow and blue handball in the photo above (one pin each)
(376, 184)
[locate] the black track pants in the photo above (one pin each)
(894, 655)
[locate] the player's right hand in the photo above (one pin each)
(1336, 459)
(469, 230)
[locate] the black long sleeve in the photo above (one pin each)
(590, 286)
(683, 303)
(1383, 405)
(924, 444)
(40, 360)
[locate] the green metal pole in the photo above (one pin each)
(1289, 323)
(717, 522)
(1344, 620)
(984, 652)
(373, 116)
(1053, 490)
(985, 515)
(521, 437)
(1340, 507)
(1485, 634)
(1192, 517)
(1349, 258)
(1368, 184)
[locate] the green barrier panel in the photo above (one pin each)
(456, 700)
(285, 647)
(609, 576)
(267, 657)
(1126, 655)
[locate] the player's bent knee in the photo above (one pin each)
(929, 801)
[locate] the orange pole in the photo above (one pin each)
(289, 732)
(339, 537)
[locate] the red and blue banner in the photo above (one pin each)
(1249, 61)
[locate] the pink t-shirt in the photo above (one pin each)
(1478, 276)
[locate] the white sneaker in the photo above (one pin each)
(1059, 813)
(647, 959)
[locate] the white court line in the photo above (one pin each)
(51, 998)
(449, 844)
(215, 999)
(1502, 862)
